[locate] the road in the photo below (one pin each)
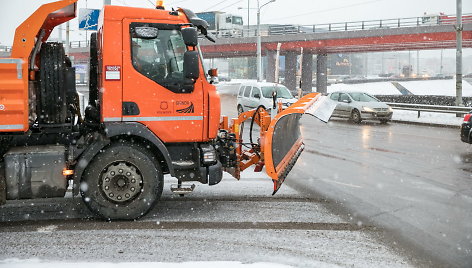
(233, 221)
(365, 195)
(416, 181)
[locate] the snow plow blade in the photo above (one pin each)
(283, 141)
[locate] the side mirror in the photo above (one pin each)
(346, 101)
(146, 32)
(213, 72)
(190, 36)
(274, 100)
(257, 96)
(191, 65)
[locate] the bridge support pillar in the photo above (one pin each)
(307, 72)
(270, 68)
(291, 71)
(252, 70)
(322, 73)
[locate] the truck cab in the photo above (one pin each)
(143, 58)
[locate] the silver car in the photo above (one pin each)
(359, 106)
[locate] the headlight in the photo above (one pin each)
(209, 156)
(390, 109)
(367, 109)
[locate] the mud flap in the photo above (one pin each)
(283, 141)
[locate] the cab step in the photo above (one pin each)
(182, 189)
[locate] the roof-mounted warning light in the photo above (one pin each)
(159, 4)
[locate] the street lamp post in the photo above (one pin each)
(259, 53)
(258, 36)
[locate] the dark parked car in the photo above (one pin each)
(465, 128)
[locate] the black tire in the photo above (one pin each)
(93, 71)
(3, 184)
(356, 116)
(133, 177)
(384, 121)
(240, 109)
(52, 93)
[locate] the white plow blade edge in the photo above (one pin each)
(322, 109)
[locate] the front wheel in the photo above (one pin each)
(356, 116)
(122, 183)
(384, 121)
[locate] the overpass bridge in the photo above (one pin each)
(389, 35)
(320, 40)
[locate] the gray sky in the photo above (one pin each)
(307, 12)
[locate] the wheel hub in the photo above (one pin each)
(121, 182)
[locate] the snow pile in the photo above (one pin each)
(427, 118)
(423, 87)
(437, 87)
(376, 88)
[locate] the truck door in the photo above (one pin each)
(255, 99)
(344, 107)
(155, 92)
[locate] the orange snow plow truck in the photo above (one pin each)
(151, 111)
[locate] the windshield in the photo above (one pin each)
(362, 97)
(282, 92)
(237, 20)
(160, 59)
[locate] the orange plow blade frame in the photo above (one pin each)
(280, 151)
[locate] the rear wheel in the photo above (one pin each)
(52, 94)
(356, 116)
(122, 183)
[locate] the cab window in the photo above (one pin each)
(344, 97)
(256, 91)
(241, 91)
(160, 59)
(334, 96)
(247, 91)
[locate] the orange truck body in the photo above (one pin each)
(15, 71)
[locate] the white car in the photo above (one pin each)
(254, 94)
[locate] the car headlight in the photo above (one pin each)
(390, 109)
(367, 109)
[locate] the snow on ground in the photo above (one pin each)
(427, 118)
(424, 87)
(16, 263)
(437, 87)
(376, 88)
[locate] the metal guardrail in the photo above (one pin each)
(430, 108)
(72, 44)
(5, 48)
(360, 25)
(287, 29)
(79, 44)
